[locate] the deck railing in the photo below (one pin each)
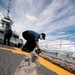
(65, 43)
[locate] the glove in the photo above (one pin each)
(38, 51)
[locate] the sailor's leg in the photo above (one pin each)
(8, 40)
(4, 42)
(29, 46)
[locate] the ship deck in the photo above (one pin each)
(11, 57)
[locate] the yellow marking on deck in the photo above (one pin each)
(15, 50)
(6, 48)
(53, 67)
(44, 62)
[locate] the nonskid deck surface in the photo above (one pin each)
(11, 57)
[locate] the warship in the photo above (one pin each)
(15, 40)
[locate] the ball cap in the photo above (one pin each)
(8, 24)
(43, 35)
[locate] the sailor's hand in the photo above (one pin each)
(38, 51)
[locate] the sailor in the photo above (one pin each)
(32, 39)
(7, 34)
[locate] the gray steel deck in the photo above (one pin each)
(9, 62)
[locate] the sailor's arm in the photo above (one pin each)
(37, 45)
(38, 48)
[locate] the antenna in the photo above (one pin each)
(7, 20)
(8, 8)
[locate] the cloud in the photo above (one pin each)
(53, 17)
(31, 17)
(58, 45)
(44, 15)
(60, 33)
(51, 20)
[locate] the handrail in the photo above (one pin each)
(59, 38)
(58, 45)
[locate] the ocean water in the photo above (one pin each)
(63, 55)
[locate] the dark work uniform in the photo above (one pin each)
(31, 37)
(7, 36)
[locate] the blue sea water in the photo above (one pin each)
(63, 55)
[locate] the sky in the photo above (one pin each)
(56, 18)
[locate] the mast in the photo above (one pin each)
(8, 8)
(7, 20)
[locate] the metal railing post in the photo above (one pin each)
(60, 47)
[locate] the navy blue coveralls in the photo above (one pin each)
(31, 37)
